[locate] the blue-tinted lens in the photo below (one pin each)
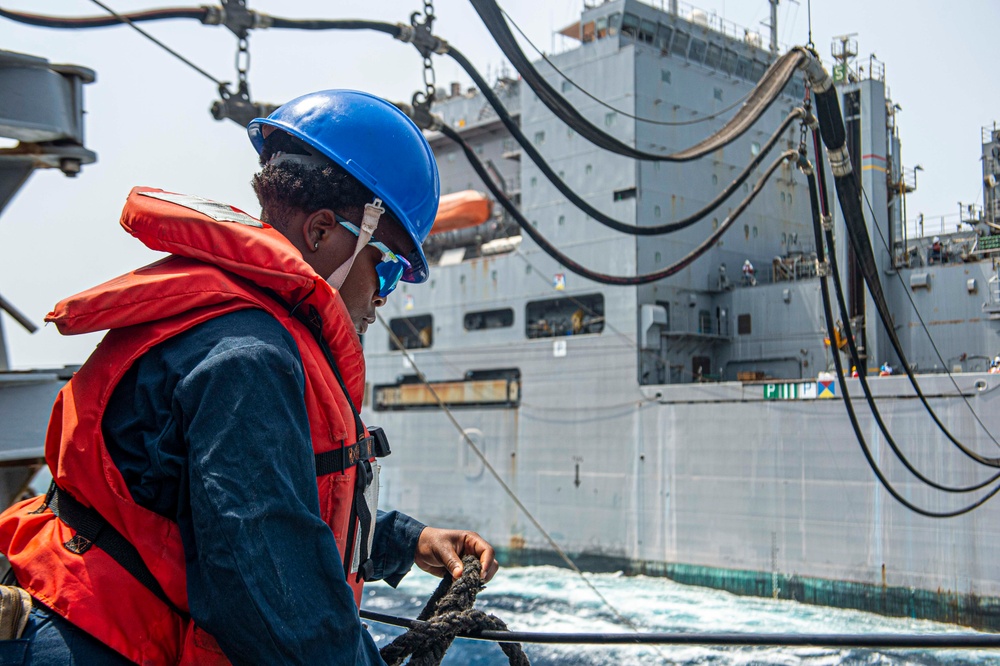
(390, 269)
(389, 273)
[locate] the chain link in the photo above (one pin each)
(430, 80)
(243, 60)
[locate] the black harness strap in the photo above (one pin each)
(93, 530)
(337, 460)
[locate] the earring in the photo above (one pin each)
(316, 245)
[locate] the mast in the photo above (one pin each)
(774, 27)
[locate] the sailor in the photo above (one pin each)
(885, 370)
(995, 365)
(854, 371)
(213, 479)
(749, 279)
(935, 253)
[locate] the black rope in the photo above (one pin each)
(603, 278)
(448, 613)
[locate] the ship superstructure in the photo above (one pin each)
(683, 427)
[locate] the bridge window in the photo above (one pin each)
(630, 25)
(680, 43)
(729, 59)
(663, 33)
(713, 56)
(697, 52)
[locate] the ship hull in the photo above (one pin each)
(714, 484)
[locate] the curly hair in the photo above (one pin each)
(287, 187)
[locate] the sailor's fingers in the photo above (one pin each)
(440, 551)
(477, 545)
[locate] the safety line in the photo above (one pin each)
(496, 475)
(127, 20)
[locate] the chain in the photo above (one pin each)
(243, 61)
(430, 81)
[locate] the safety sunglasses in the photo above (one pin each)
(392, 266)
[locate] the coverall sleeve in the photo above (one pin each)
(394, 545)
(265, 577)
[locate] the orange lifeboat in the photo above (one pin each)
(467, 208)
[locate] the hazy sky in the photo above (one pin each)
(148, 116)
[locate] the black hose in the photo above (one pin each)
(872, 641)
(856, 358)
(536, 157)
(849, 195)
(814, 199)
(763, 95)
(43, 21)
(603, 278)
(346, 24)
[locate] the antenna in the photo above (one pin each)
(809, 12)
(844, 47)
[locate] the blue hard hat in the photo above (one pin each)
(377, 144)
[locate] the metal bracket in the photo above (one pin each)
(419, 111)
(238, 107)
(822, 268)
(827, 222)
(419, 34)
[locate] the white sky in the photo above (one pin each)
(149, 123)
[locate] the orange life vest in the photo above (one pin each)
(222, 260)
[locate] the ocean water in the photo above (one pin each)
(557, 600)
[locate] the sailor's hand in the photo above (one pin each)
(440, 552)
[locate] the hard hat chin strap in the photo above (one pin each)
(369, 223)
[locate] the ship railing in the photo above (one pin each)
(794, 267)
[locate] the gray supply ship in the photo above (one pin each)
(682, 428)
(688, 427)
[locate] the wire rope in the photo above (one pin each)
(651, 121)
(128, 21)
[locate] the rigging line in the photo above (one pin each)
(604, 278)
(923, 324)
(503, 484)
(862, 376)
(577, 200)
(651, 121)
(842, 381)
(127, 20)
